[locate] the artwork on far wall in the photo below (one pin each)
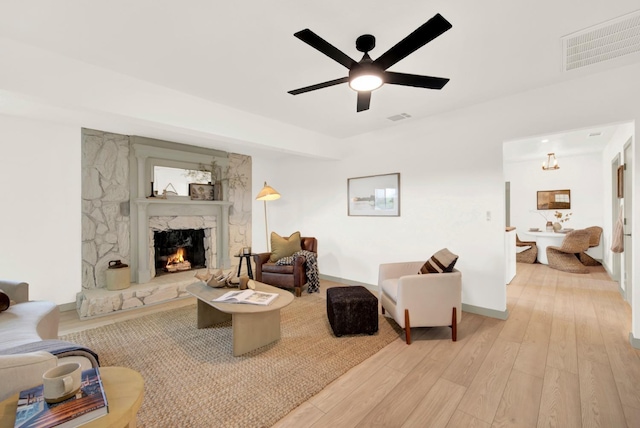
(554, 199)
(621, 182)
(376, 195)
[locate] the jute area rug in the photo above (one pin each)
(193, 380)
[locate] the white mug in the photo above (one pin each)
(61, 382)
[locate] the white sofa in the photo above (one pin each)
(415, 300)
(23, 324)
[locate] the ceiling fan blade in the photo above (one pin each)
(364, 99)
(414, 41)
(315, 41)
(319, 86)
(418, 81)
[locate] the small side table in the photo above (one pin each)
(248, 258)
(124, 389)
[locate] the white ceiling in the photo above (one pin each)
(564, 144)
(243, 54)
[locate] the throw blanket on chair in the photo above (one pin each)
(310, 267)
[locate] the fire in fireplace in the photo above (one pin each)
(179, 250)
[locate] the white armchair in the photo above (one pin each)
(414, 300)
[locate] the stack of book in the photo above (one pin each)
(89, 403)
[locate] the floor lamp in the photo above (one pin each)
(267, 193)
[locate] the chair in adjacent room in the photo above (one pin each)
(289, 276)
(526, 255)
(566, 256)
(594, 240)
(420, 300)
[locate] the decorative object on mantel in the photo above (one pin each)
(166, 193)
(267, 193)
(217, 190)
(201, 192)
(547, 165)
(152, 195)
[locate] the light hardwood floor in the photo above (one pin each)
(562, 359)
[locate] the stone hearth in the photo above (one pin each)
(100, 301)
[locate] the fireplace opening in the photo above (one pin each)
(179, 250)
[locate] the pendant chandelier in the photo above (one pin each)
(551, 162)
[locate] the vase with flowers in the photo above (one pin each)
(561, 218)
(549, 225)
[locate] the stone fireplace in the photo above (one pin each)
(121, 222)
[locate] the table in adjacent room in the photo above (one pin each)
(544, 240)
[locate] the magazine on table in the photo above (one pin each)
(247, 296)
(90, 402)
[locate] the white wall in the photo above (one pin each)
(40, 215)
(451, 176)
(580, 174)
(614, 149)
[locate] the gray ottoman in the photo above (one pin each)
(352, 310)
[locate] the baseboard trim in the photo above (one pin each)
(622, 292)
(635, 342)
(491, 313)
(65, 307)
(370, 287)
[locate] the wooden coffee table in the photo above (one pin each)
(253, 326)
(124, 389)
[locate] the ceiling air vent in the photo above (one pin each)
(602, 42)
(398, 117)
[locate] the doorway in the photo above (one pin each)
(627, 191)
(615, 213)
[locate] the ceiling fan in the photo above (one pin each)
(367, 74)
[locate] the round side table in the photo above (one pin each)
(124, 389)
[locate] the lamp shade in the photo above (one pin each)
(268, 193)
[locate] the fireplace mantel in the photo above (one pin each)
(146, 156)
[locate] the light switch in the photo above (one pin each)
(488, 215)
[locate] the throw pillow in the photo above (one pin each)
(5, 302)
(442, 261)
(283, 247)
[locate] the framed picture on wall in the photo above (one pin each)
(554, 199)
(375, 195)
(621, 182)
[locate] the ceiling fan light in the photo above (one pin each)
(365, 82)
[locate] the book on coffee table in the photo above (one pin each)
(247, 296)
(90, 402)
